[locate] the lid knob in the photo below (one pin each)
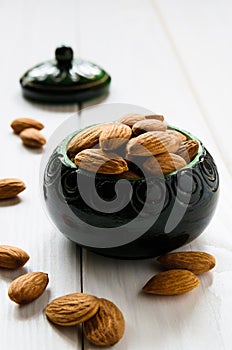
(64, 57)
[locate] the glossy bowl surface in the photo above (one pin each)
(161, 214)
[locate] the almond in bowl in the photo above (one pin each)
(131, 188)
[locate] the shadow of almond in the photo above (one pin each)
(9, 202)
(33, 150)
(10, 275)
(33, 309)
(72, 334)
(207, 279)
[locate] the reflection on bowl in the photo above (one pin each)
(153, 216)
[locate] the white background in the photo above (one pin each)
(170, 56)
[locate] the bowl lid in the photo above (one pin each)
(65, 75)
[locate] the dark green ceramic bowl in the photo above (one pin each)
(156, 216)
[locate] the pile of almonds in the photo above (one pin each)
(112, 148)
(103, 322)
(29, 131)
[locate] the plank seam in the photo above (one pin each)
(187, 78)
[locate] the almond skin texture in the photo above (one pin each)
(164, 163)
(107, 326)
(152, 143)
(20, 124)
(10, 187)
(196, 262)
(178, 134)
(155, 116)
(172, 282)
(129, 175)
(130, 119)
(95, 160)
(32, 138)
(87, 138)
(188, 150)
(12, 257)
(148, 125)
(28, 287)
(72, 309)
(114, 136)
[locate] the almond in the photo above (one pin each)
(197, 262)
(20, 124)
(72, 309)
(152, 143)
(114, 136)
(172, 282)
(87, 138)
(32, 138)
(11, 187)
(130, 175)
(148, 125)
(96, 160)
(28, 287)
(107, 326)
(178, 134)
(12, 257)
(130, 119)
(188, 150)
(164, 163)
(155, 116)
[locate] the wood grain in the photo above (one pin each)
(30, 32)
(172, 57)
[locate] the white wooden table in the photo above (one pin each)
(171, 56)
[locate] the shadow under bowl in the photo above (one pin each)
(153, 215)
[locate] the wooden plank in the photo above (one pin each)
(204, 52)
(129, 40)
(30, 31)
(200, 33)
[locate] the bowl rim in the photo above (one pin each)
(190, 136)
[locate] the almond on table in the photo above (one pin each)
(28, 287)
(11, 187)
(32, 137)
(12, 257)
(197, 262)
(20, 124)
(172, 282)
(103, 322)
(107, 326)
(72, 309)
